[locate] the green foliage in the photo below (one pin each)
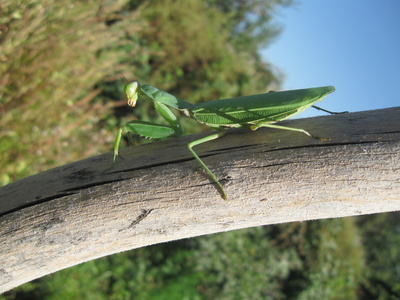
(334, 260)
(251, 23)
(48, 52)
(197, 58)
(290, 261)
(381, 239)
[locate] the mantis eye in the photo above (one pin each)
(132, 92)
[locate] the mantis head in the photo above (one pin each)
(132, 92)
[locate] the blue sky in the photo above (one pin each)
(353, 45)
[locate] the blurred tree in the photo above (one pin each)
(381, 240)
(48, 53)
(251, 22)
(213, 53)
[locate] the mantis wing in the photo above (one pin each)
(269, 107)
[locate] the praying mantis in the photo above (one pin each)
(251, 112)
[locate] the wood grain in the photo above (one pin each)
(159, 192)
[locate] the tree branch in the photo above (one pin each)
(159, 192)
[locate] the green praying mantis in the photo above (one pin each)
(251, 112)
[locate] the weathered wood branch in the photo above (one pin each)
(158, 192)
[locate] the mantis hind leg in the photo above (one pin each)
(330, 112)
(204, 140)
(254, 127)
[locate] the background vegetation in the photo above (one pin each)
(61, 101)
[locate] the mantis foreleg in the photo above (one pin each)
(150, 130)
(144, 129)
